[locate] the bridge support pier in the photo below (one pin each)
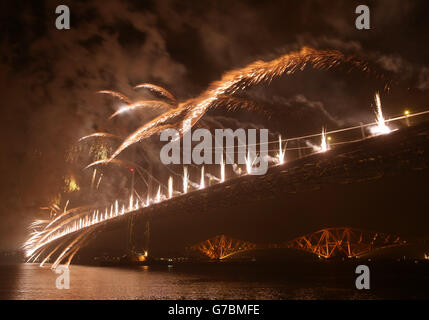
(138, 250)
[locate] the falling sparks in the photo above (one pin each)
(115, 94)
(381, 127)
(130, 207)
(202, 185)
(93, 178)
(222, 170)
(170, 187)
(158, 195)
(185, 179)
(147, 200)
(249, 162)
(324, 143)
(100, 135)
(158, 90)
(152, 104)
(282, 152)
(99, 181)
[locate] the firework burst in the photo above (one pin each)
(237, 80)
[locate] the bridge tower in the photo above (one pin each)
(131, 219)
(132, 251)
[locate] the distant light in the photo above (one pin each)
(407, 112)
(329, 138)
(132, 169)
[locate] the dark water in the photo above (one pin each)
(214, 281)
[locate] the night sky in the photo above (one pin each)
(49, 77)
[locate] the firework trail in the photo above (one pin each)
(202, 183)
(118, 95)
(282, 152)
(69, 212)
(93, 178)
(222, 170)
(99, 181)
(323, 143)
(185, 179)
(52, 252)
(257, 72)
(75, 250)
(234, 103)
(36, 256)
(153, 104)
(77, 247)
(170, 187)
(122, 163)
(158, 90)
(47, 235)
(381, 127)
(63, 254)
(101, 135)
(212, 177)
(38, 223)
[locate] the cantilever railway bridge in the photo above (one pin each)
(376, 184)
(326, 243)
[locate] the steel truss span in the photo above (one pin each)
(326, 243)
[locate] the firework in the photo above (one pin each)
(257, 72)
(249, 162)
(152, 104)
(282, 152)
(158, 90)
(115, 94)
(122, 163)
(130, 206)
(99, 181)
(170, 187)
(323, 143)
(63, 254)
(185, 179)
(93, 178)
(222, 170)
(381, 127)
(158, 195)
(202, 185)
(100, 135)
(51, 253)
